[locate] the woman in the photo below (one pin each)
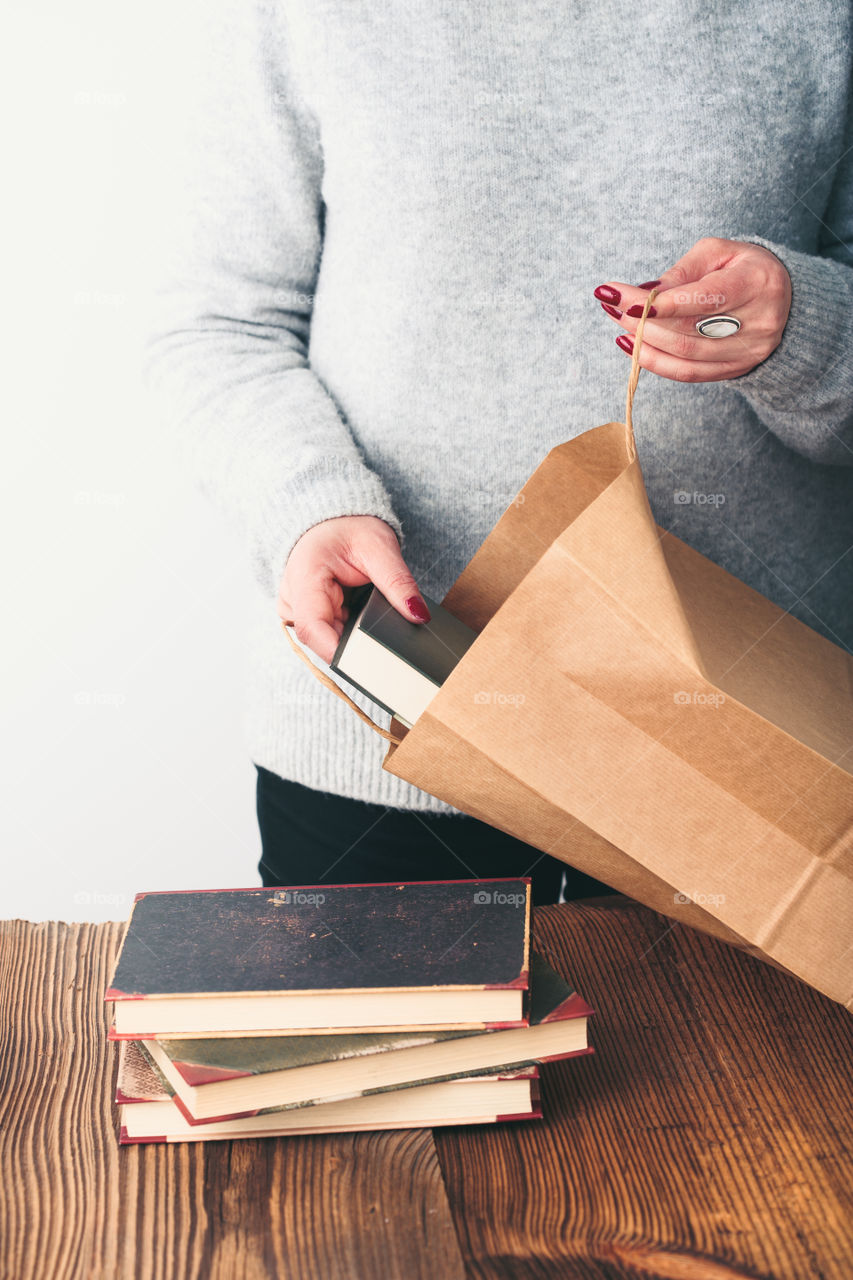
(383, 314)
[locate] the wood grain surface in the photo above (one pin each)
(74, 1204)
(709, 1138)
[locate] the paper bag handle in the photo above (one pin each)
(634, 376)
(325, 680)
(330, 684)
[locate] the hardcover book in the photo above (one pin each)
(148, 1114)
(324, 959)
(397, 663)
(230, 1078)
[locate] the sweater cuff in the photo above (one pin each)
(814, 338)
(327, 488)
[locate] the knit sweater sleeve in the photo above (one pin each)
(803, 392)
(227, 358)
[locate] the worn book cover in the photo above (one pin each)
(327, 957)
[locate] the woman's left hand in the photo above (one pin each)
(728, 276)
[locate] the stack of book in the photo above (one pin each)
(331, 1008)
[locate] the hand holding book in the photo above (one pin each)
(399, 665)
(348, 551)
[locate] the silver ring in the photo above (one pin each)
(717, 326)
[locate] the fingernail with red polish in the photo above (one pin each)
(650, 284)
(611, 311)
(605, 293)
(637, 311)
(417, 608)
(626, 342)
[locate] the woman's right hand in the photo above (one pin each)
(347, 551)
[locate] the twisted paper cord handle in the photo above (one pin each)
(330, 684)
(634, 376)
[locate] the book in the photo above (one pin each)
(147, 1112)
(426, 955)
(231, 1078)
(397, 663)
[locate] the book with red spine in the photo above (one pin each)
(324, 959)
(147, 1113)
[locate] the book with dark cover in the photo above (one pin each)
(228, 1078)
(148, 1113)
(324, 959)
(399, 664)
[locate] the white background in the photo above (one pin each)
(124, 596)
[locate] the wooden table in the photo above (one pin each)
(708, 1138)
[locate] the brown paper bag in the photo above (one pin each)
(633, 709)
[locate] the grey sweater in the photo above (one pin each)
(391, 222)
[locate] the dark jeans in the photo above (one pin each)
(311, 837)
